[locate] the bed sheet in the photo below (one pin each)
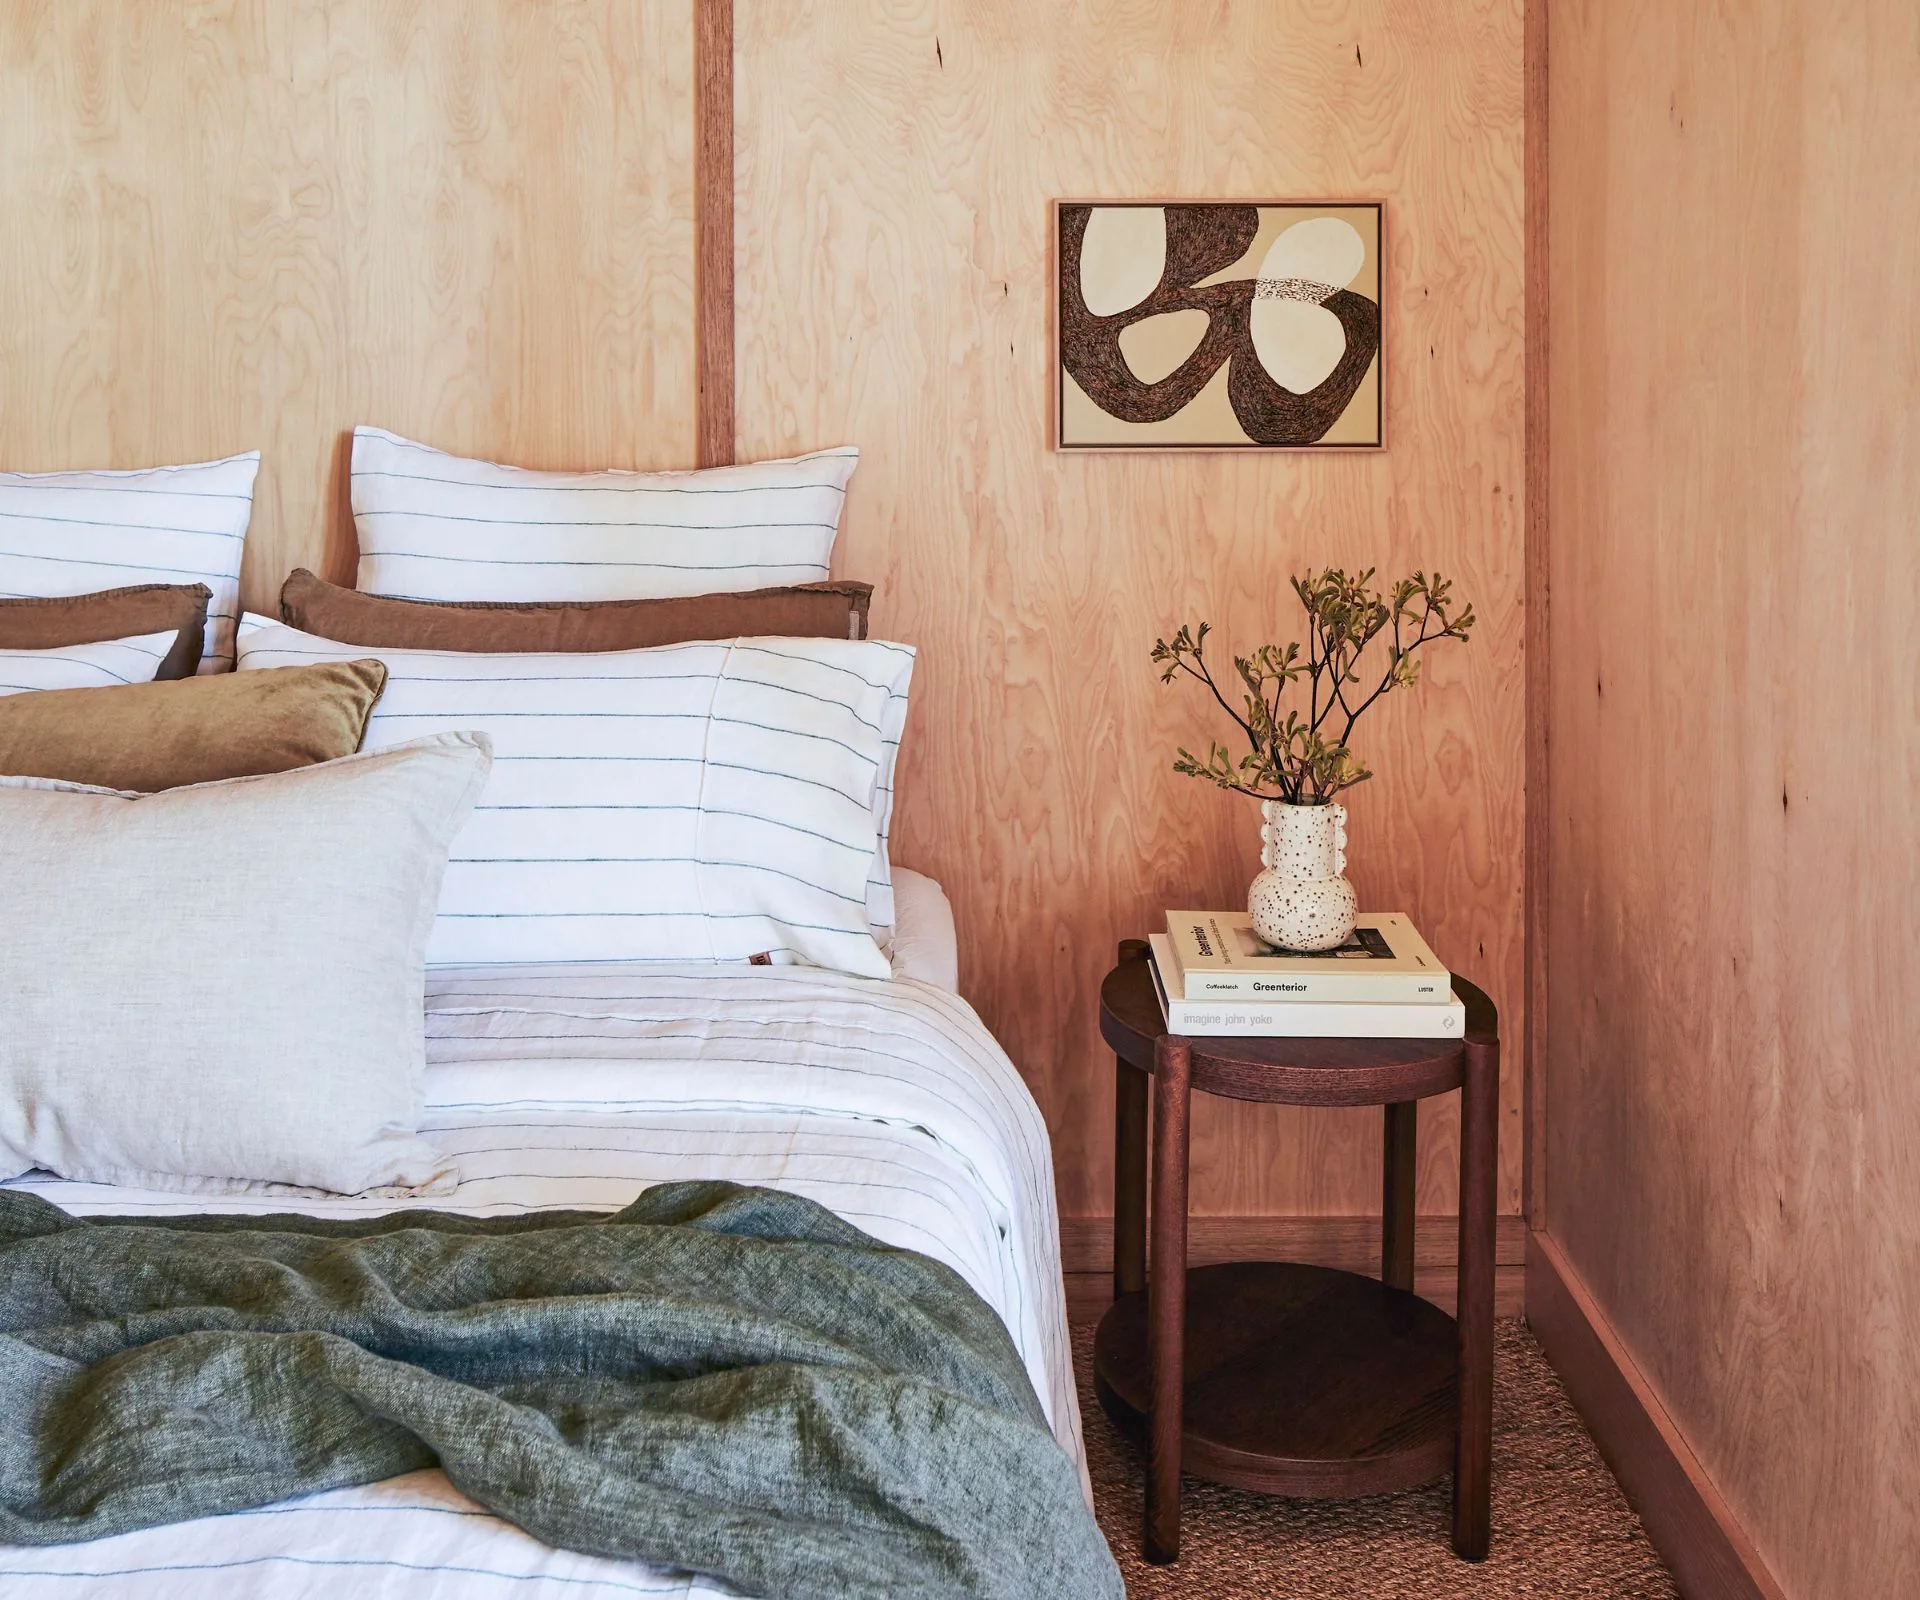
(579, 1086)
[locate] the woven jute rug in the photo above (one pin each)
(1561, 1528)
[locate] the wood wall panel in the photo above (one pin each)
(1734, 942)
(894, 170)
(258, 223)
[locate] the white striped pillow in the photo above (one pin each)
(75, 532)
(707, 801)
(439, 527)
(880, 908)
(85, 666)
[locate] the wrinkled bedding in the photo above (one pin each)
(886, 1102)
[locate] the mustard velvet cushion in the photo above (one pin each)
(149, 736)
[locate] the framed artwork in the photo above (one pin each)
(1218, 325)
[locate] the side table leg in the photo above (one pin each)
(1473, 1452)
(1167, 1296)
(1396, 1209)
(1129, 1179)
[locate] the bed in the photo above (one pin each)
(579, 1085)
(619, 800)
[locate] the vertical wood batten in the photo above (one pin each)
(713, 227)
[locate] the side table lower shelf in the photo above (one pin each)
(1299, 1380)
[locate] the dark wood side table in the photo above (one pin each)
(1291, 1379)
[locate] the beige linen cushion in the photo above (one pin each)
(171, 1028)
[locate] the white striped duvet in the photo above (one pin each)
(579, 1086)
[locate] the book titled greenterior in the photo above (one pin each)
(1221, 957)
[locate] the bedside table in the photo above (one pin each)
(1289, 1379)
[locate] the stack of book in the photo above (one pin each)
(1215, 975)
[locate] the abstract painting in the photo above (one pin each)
(1219, 325)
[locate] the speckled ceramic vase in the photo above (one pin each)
(1300, 901)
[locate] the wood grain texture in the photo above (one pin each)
(894, 178)
(259, 223)
(1298, 1381)
(1708, 1553)
(1734, 943)
(252, 224)
(713, 221)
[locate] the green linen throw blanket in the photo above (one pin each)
(719, 1378)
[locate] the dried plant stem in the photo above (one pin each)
(1290, 758)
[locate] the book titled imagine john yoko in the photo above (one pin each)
(1382, 960)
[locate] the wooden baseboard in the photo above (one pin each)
(1708, 1553)
(1350, 1243)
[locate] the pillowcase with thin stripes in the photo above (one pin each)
(704, 801)
(67, 533)
(85, 666)
(438, 527)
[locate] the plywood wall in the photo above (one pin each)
(257, 223)
(1733, 1029)
(894, 171)
(260, 222)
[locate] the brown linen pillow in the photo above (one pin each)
(47, 624)
(803, 611)
(148, 736)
